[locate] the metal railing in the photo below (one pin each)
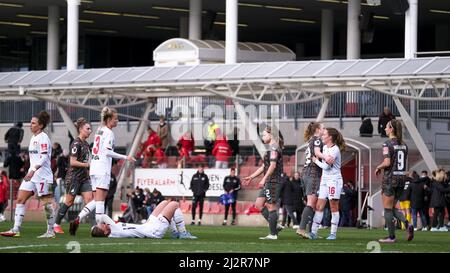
(368, 103)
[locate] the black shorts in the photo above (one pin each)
(393, 186)
(270, 192)
(311, 185)
(75, 188)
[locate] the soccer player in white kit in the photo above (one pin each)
(166, 214)
(39, 179)
(101, 160)
(331, 183)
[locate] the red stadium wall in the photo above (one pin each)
(349, 171)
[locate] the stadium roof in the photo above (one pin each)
(393, 76)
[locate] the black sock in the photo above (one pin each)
(307, 216)
(273, 220)
(389, 219)
(61, 213)
(400, 216)
(265, 213)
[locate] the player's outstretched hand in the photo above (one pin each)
(131, 159)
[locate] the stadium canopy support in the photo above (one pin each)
(135, 144)
(68, 121)
(412, 129)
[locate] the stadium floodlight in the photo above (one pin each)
(373, 2)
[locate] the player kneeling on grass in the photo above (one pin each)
(166, 214)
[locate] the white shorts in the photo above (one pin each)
(100, 181)
(331, 187)
(157, 226)
(40, 188)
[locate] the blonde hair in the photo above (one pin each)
(107, 113)
(439, 175)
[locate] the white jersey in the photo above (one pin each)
(335, 168)
(40, 151)
(100, 162)
(155, 228)
(331, 182)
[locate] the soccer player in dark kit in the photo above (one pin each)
(269, 184)
(395, 153)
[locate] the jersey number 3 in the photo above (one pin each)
(96, 145)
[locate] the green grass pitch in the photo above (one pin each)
(224, 240)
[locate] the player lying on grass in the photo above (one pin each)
(166, 214)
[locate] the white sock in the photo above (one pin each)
(334, 222)
(318, 215)
(87, 210)
(50, 215)
(179, 220)
(99, 210)
(173, 226)
(18, 217)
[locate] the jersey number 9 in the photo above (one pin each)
(400, 160)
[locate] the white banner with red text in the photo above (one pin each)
(176, 182)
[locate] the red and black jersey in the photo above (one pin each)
(309, 168)
(398, 154)
(274, 154)
(80, 150)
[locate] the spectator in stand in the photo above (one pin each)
(366, 128)
(348, 194)
(231, 185)
(234, 145)
(152, 200)
(427, 197)
(187, 142)
(160, 158)
(163, 132)
(138, 202)
(16, 171)
(417, 191)
(199, 185)
(299, 196)
(383, 120)
(437, 202)
(14, 137)
(210, 139)
(183, 158)
(287, 200)
(447, 196)
(221, 152)
(62, 163)
(149, 147)
(56, 151)
(4, 192)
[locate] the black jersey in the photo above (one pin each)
(274, 154)
(309, 168)
(398, 154)
(80, 150)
